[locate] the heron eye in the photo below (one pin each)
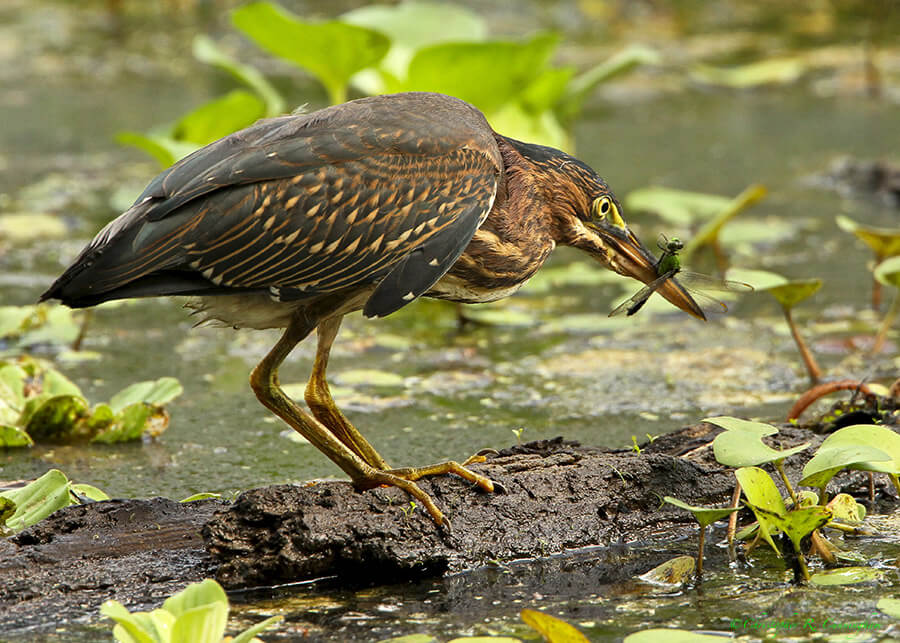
(601, 207)
(604, 208)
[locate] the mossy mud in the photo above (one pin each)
(560, 498)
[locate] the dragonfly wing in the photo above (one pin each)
(636, 301)
(697, 281)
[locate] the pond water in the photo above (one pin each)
(561, 368)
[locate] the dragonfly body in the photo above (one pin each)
(667, 267)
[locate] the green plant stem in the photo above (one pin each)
(732, 519)
(815, 373)
(702, 540)
(801, 561)
(779, 466)
(889, 318)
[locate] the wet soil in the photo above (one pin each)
(559, 496)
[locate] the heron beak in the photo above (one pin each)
(625, 254)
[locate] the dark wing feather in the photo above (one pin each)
(304, 205)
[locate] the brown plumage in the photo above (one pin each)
(299, 220)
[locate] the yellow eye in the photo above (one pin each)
(604, 208)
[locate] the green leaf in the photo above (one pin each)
(776, 71)
(411, 638)
(7, 509)
(798, 523)
(674, 571)
(846, 576)
(165, 149)
(884, 242)
(669, 635)
(205, 495)
(138, 627)
(704, 515)
(55, 383)
(13, 436)
(552, 628)
(677, 207)
(58, 419)
(888, 272)
(129, 425)
(202, 594)
(709, 233)
(89, 491)
(12, 318)
(411, 26)
(220, 117)
(618, 64)
(205, 50)
(740, 445)
(865, 447)
(38, 499)
(332, 51)
(489, 75)
(204, 624)
(153, 392)
(764, 500)
(541, 128)
(890, 606)
(247, 635)
(846, 509)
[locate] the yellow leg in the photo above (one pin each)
(318, 398)
(330, 440)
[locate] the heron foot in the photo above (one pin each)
(405, 479)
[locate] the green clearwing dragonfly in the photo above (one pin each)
(667, 267)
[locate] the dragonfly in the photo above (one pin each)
(667, 266)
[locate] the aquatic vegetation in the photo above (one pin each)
(788, 293)
(197, 614)
(28, 505)
(888, 273)
(861, 447)
(415, 46)
(38, 403)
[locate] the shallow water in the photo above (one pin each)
(566, 370)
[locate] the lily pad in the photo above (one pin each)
(551, 628)
(704, 515)
(676, 207)
(674, 571)
(865, 447)
(775, 71)
(884, 242)
(153, 392)
(740, 445)
(846, 576)
(890, 606)
(788, 292)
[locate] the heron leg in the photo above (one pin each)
(318, 398)
(264, 381)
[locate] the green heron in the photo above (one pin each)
(298, 220)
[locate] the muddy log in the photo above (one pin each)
(559, 496)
